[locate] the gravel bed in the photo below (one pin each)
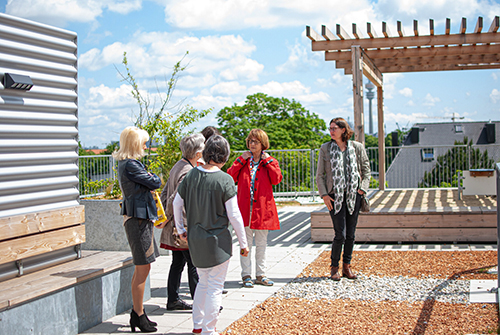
(408, 292)
(378, 289)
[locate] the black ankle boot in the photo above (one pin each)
(152, 323)
(141, 322)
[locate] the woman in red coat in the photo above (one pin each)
(256, 172)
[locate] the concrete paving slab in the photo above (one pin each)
(483, 291)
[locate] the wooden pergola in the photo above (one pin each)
(374, 55)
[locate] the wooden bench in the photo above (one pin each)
(418, 215)
(68, 298)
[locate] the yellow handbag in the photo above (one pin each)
(159, 210)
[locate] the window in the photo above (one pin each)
(459, 128)
(427, 154)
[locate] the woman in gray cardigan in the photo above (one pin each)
(191, 148)
(343, 176)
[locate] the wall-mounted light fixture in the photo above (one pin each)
(17, 81)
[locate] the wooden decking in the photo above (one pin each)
(418, 215)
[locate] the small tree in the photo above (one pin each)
(455, 160)
(166, 124)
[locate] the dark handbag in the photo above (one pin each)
(365, 204)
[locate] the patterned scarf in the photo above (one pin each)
(340, 184)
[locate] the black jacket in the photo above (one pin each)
(136, 183)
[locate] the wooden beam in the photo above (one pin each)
(327, 34)
(463, 26)
(32, 245)
(447, 26)
(370, 30)
(494, 25)
(408, 41)
(479, 25)
(341, 33)
(431, 27)
(356, 32)
(32, 223)
(415, 27)
(422, 52)
(381, 138)
(427, 68)
(370, 70)
(401, 32)
(385, 30)
(357, 89)
(313, 36)
(421, 61)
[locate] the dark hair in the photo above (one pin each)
(208, 131)
(216, 149)
(341, 123)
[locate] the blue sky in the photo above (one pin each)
(241, 47)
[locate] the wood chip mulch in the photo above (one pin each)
(338, 316)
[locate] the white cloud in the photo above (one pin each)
(494, 75)
(228, 88)
(410, 103)
(390, 80)
(226, 56)
(292, 90)
(240, 14)
(247, 69)
(299, 60)
(406, 92)
(430, 101)
(422, 10)
(102, 97)
(404, 120)
(60, 12)
(495, 95)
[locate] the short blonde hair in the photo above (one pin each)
(132, 140)
(261, 136)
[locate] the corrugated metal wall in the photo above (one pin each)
(38, 128)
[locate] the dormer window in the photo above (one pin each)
(459, 128)
(427, 154)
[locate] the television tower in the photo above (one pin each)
(370, 95)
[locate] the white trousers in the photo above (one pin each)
(260, 253)
(208, 297)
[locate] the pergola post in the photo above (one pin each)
(381, 139)
(357, 90)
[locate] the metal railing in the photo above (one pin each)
(406, 167)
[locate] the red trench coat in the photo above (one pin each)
(264, 213)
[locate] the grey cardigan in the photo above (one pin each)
(324, 178)
(177, 174)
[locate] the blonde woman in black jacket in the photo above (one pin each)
(139, 212)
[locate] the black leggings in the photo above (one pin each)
(344, 226)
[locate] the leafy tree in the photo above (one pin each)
(457, 159)
(111, 147)
(166, 124)
(287, 123)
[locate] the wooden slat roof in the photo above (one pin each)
(415, 52)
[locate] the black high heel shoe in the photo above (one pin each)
(141, 322)
(152, 323)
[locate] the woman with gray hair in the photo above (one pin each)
(209, 197)
(192, 148)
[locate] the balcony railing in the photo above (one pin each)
(407, 167)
